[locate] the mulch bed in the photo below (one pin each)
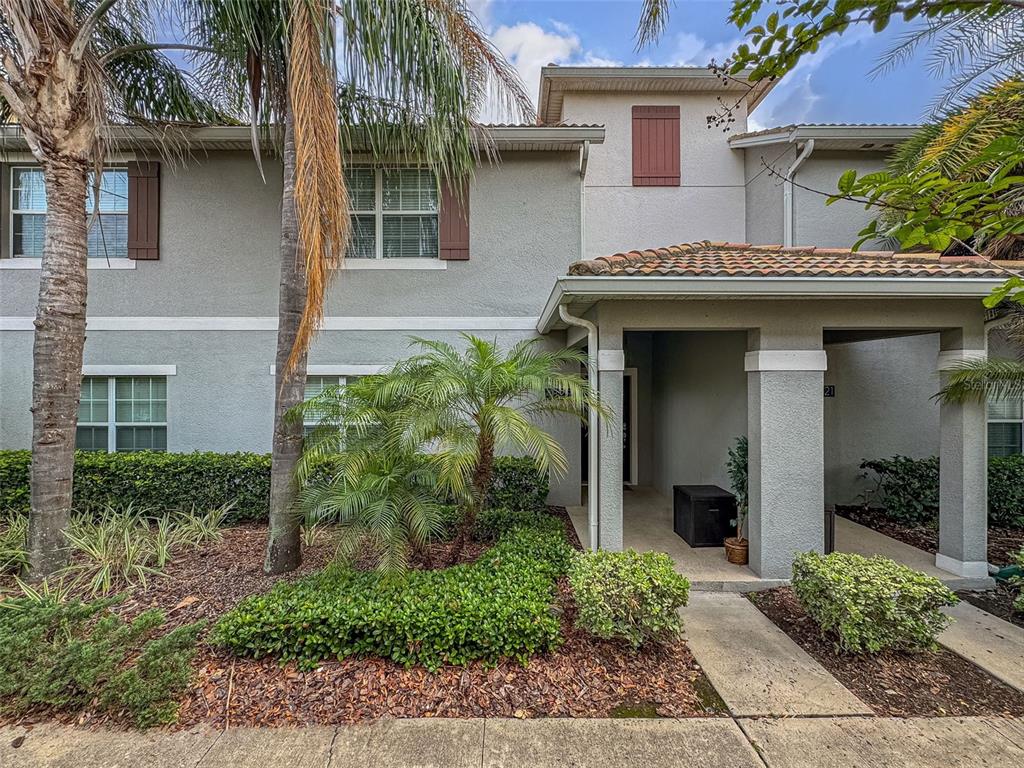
(1003, 543)
(933, 684)
(582, 678)
(998, 602)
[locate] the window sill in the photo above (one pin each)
(27, 263)
(396, 264)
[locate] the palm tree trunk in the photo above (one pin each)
(481, 485)
(57, 364)
(284, 552)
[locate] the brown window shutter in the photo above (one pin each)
(144, 211)
(656, 146)
(454, 220)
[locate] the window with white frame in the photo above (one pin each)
(1005, 426)
(394, 213)
(315, 385)
(122, 414)
(108, 234)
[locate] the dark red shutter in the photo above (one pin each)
(454, 220)
(144, 211)
(656, 146)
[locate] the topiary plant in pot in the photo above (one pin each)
(737, 547)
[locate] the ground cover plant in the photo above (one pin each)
(70, 656)
(871, 604)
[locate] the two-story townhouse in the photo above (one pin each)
(692, 345)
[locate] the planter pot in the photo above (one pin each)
(736, 550)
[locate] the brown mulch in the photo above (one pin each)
(1003, 543)
(998, 602)
(929, 684)
(582, 678)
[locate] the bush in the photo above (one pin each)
(1018, 582)
(628, 595)
(69, 656)
(491, 524)
(153, 482)
(518, 484)
(1006, 491)
(499, 607)
(13, 539)
(871, 604)
(909, 489)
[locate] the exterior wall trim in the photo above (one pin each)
(786, 360)
(953, 357)
(23, 262)
(611, 360)
(970, 570)
(255, 323)
(129, 370)
(340, 370)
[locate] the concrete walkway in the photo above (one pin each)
(755, 667)
(695, 743)
(995, 645)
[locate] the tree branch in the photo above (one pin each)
(125, 50)
(81, 41)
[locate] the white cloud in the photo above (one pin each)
(694, 51)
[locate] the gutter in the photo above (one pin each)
(595, 288)
(593, 426)
(788, 210)
(584, 160)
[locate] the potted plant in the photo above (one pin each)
(736, 547)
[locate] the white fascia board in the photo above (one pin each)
(545, 135)
(872, 133)
(759, 288)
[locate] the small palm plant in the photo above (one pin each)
(737, 467)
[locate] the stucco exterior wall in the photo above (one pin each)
(764, 216)
(709, 203)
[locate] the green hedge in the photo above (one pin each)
(177, 481)
(909, 489)
(871, 604)
(501, 606)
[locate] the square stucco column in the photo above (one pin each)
(963, 479)
(785, 430)
(610, 365)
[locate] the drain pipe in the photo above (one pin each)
(788, 212)
(593, 426)
(584, 160)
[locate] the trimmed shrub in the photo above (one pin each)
(492, 524)
(152, 482)
(517, 483)
(871, 604)
(69, 656)
(501, 606)
(909, 488)
(628, 595)
(1006, 491)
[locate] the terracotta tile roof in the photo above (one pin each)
(707, 259)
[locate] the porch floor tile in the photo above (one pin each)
(755, 667)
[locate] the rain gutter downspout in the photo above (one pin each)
(593, 426)
(788, 212)
(584, 159)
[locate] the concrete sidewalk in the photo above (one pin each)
(695, 743)
(995, 645)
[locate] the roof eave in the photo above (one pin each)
(568, 287)
(799, 133)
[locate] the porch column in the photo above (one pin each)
(785, 430)
(610, 365)
(963, 474)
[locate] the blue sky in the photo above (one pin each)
(834, 85)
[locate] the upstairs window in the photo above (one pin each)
(108, 234)
(1005, 427)
(122, 414)
(656, 146)
(394, 213)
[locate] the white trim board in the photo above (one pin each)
(27, 262)
(129, 370)
(785, 360)
(255, 323)
(340, 370)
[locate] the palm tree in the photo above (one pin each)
(413, 73)
(70, 69)
(997, 379)
(471, 404)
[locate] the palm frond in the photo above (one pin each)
(979, 380)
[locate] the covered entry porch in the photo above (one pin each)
(773, 314)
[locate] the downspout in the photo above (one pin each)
(584, 159)
(788, 214)
(593, 426)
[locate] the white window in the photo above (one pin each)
(108, 235)
(122, 413)
(315, 385)
(394, 213)
(1005, 427)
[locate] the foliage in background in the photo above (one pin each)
(501, 606)
(737, 467)
(518, 483)
(869, 605)
(491, 524)
(628, 596)
(1018, 581)
(73, 656)
(908, 489)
